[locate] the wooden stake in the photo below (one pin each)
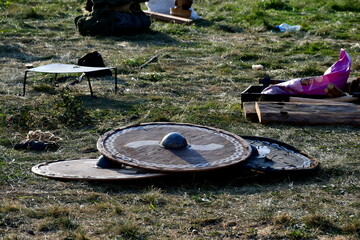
(168, 18)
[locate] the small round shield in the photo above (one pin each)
(195, 148)
(270, 155)
(86, 169)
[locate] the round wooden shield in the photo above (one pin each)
(141, 146)
(270, 155)
(86, 169)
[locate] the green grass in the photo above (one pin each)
(198, 78)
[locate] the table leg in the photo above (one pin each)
(24, 84)
(91, 91)
(116, 87)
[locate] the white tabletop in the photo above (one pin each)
(65, 68)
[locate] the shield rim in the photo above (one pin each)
(36, 169)
(103, 151)
(315, 164)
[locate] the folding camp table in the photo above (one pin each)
(68, 68)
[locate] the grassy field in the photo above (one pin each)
(198, 78)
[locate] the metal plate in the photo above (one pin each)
(138, 146)
(86, 170)
(276, 156)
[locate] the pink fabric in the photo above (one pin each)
(337, 74)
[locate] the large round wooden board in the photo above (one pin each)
(85, 169)
(138, 146)
(275, 156)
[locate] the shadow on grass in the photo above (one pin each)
(150, 37)
(17, 52)
(222, 180)
(328, 173)
(99, 102)
(222, 27)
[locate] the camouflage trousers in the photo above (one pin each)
(112, 23)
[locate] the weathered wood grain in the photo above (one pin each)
(249, 111)
(308, 113)
(341, 100)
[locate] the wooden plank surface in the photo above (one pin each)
(249, 111)
(308, 113)
(168, 18)
(341, 100)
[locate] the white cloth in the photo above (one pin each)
(163, 6)
(160, 6)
